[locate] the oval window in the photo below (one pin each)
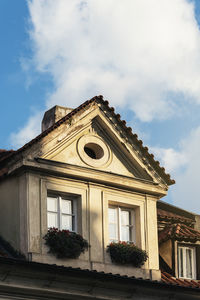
(94, 151)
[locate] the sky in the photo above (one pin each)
(143, 56)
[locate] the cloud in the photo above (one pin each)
(186, 193)
(142, 55)
(138, 53)
(171, 159)
(29, 131)
(184, 166)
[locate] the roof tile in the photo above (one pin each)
(170, 216)
(168, 279)
(179, 232)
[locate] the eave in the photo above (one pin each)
(89, 175)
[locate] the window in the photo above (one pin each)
(121, 221)
(94, 150)
(61, 212)
(186, 262)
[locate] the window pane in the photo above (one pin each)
(181, 262)
(125, 217)
(113, 232)
(113, 224)
(51, 204)
(112, 215)
(67, 222)
(66, 206)
(125, 225)
(52, 220)
(189, 263)
(125, 232)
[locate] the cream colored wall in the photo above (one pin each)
(151, 231)
(13, 208)
(9, 208)
(70, 155)
(165, 250)
(92, 222)
(34, 218)
(197, 222)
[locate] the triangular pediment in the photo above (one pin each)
(62, 139)
(93, 142)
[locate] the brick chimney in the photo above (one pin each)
(54, 114)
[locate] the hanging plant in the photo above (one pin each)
(127, 253)
(64, 243)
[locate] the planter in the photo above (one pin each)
(126, 253)
(64, 243)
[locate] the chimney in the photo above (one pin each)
(54, 114)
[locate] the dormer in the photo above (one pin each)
(86, 173)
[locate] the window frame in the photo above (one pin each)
(184, 247)
(59, 197)
(131, 225)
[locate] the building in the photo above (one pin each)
(179, 243)
(87, 173)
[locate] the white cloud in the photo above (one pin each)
(171, 159)
(139, 54)
(186, 193)
(184, 165)
(136, 53)
(29, 131)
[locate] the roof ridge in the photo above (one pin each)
(171, 215)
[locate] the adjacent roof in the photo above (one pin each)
(169, 208)
(168, 279)
(180, 232)
(5, 153)
(9, 255)
(122, 123)
(164, 215)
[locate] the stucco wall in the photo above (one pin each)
(165, 250)
(9, 208)
(152, 232)
(92, 223)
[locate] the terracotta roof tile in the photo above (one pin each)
(170, 216)
(179, 232)
(99, 99)
(168, 279)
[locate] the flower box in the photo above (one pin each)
(127, 253)
(64, 243)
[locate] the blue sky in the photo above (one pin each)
(143, 57)
(18, 99)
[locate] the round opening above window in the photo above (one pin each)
(94, 151)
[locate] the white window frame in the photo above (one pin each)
(193, 262)
(60, 213)
(119, 226)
